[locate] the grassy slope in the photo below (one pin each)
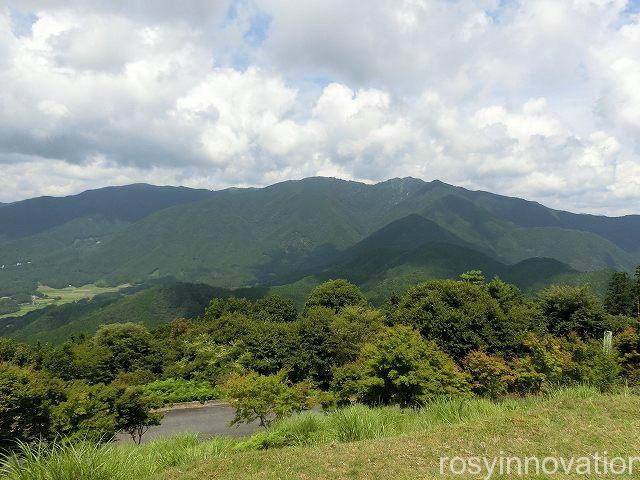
(361, 443)
(563, 426)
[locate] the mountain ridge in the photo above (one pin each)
(240, 237)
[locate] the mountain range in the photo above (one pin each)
(381, 236)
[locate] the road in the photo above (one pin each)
(206, 420)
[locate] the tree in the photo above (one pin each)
(133, 413)
(27, 398)
(277, 308)
(571, 309)
(17, 353)
(131, 346)
(335, 294)
(473, 276)
(636, 292)
(314, 354)
(87, 413)
(178, 327)
(271, 346)
(202, 359)
(461, 317)
(351, 328)
(266, 398)
(221, 306)
(619, 297)
(399, 367)
(572, 361)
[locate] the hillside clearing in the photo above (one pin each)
(60, 296)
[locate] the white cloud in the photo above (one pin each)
(534, 99)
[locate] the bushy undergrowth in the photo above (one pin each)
(87, 461)
(175, 390)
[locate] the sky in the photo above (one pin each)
(536, 99)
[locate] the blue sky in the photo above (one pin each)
(532, 99)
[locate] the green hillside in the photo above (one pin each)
(127, 203)
(291, 230)
(262, 235)
(151, 306)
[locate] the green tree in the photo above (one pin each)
(133, 413)
(131, 345)
(266, 398)
(399, 367)
(571, 309)
(636, 293)
(619, 297)
(72, 361)
(351, 328)
(572, 361)
(87, 413)
(473, 276)
(222, 306)
(202, 359)
(277, 308)
(335, 295)
(315, 346)
(461, 317)
(27, 398)
(17, 353)
(271, 346)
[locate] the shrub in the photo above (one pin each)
(490, 375)
(628, 346)
(525, 380)
(175, 390)
(553, 361)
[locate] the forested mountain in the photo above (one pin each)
(295, 229)
(125, 204)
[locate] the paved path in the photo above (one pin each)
(206, 420)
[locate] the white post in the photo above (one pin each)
(607, 344)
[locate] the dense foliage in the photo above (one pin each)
(454, 338)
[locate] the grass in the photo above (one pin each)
(364, 443)
(60, 296)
